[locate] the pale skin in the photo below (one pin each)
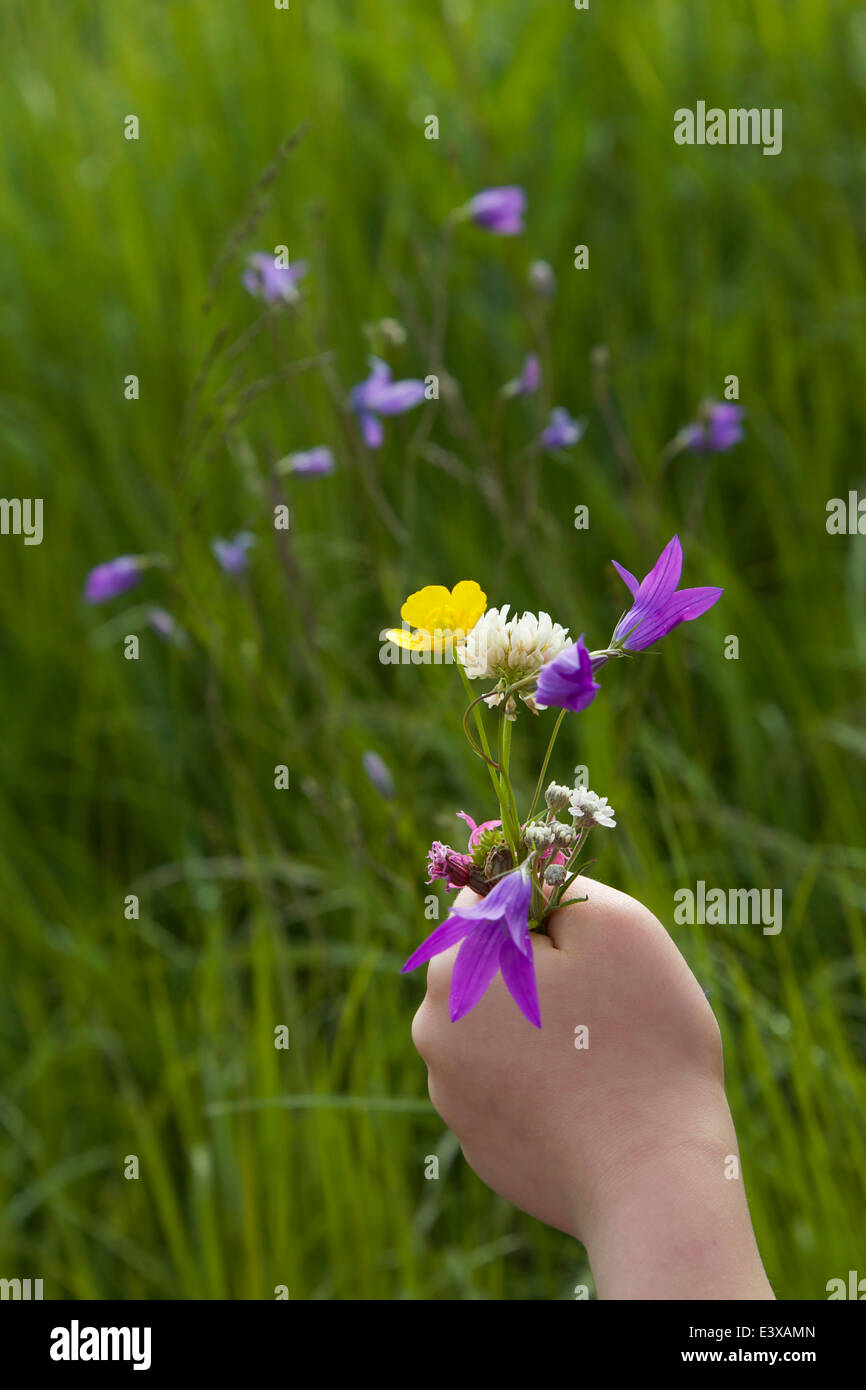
(626, 1144)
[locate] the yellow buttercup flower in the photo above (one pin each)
(440, 616)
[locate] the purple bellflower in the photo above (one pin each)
(562, 431)
(113, 578)
(495, 936)
(717, 429)
(659, 606)
(379, 395)
(498, 210)
(567, 681)
(266, 280)
(232, 555)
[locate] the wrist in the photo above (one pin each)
(670, 1220)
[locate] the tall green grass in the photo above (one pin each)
(154, 1036)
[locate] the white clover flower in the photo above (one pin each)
(486, 647)
(511, 649)
(587, 809)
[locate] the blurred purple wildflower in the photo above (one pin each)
(310, 463)
(567, 681)
(113, 578)
(499, 210)
(379, 774)
(379, 395)
(232, 555)
(528, 381)
(495, 936)
(271, 282)
(562, 431)
(659, 606)
(163, 623)
(717, 429)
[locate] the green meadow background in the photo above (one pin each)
(259, 907)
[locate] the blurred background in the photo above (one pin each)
(154, 1036)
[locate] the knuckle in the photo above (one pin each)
(714, 1044)
(421, 1032)
(439, 975)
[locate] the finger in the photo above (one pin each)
(569, 928)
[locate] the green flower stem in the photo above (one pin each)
(507, 803)
(507, 751)
(564, 887)
(537, 904)
(581, 840)
(482, 733)
(540, 783)
(555, 899)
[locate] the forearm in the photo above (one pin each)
(676, 1225)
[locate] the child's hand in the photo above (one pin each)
(610, 1123)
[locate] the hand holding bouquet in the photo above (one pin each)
(523, 865)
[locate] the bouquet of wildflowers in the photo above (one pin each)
(522, 865)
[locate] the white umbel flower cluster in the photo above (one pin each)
(587, 809)
(506, 649)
